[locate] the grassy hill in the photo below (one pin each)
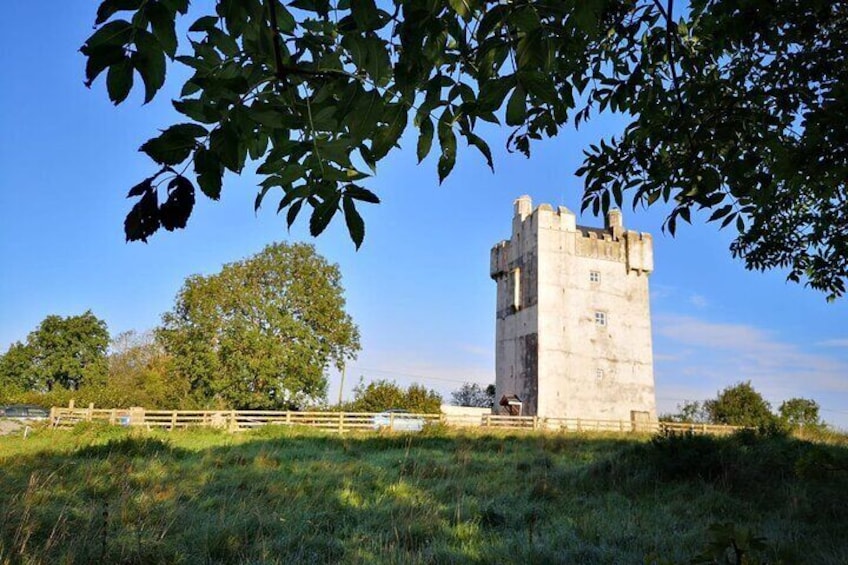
(112, 495)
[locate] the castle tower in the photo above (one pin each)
(573, 326)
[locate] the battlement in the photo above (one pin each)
(612, 242)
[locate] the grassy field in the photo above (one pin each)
(112, 495)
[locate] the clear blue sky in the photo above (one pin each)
(419, 288)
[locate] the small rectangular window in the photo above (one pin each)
(600, 318)
(595, 276)
(599, 374)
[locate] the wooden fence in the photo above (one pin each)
(343, 422)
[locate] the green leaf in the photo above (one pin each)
(149, 61)
(363, 194)
(101, 58)
(365, 14)
(460, 7)
(481, 146)
(323, 213)
(447, 140)
(387, 137)
(298, 193)
(425, 139)
(493, 92)
(516, 108)
(175, 211)
(225, 142)
(204, 24)
(285, 20)
(379, 64)
(141, 188)
(224, 42)
(355, 225)
(117, 33)
(209, 172)
(540, 85)
(142, 221)
(173, 145)
(197, 110)
(585, 17)
(110, 7)
(162, 21)
(526, 18)
(119, 80)
(180, 6)
(720, 213)
(294, 210)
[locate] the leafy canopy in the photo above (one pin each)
(61, 353)
(472, 394)
(262, 332)
(734, 106)
(800, 413)
(739, 405)
(383, 394)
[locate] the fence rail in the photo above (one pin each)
(344, 422)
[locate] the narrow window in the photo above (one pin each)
(595, 276)
(600, 318)
(516, 289)
(599, 374)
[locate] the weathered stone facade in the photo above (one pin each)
(573, 326)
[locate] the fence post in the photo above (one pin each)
(535, 422)
(173, 420)
(90, 411)
(341, 423)
(53, 417)
(234, 427)
(112, 416)
(288, 418)
(392, 421)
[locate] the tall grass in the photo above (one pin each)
(277, 495)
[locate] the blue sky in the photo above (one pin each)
(419, 288)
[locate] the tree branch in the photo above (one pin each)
(281, 72)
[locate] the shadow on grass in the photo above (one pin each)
(281, 495)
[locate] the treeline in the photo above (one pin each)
(73, 358)
(261, 333)
(741, 405)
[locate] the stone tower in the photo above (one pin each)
(573, 327)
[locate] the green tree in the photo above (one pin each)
(734, 106)
(739, 405)
(16, 371)
(472, 394)
(263, 331)
(690, 411)
(62, 353)
(140, 374)
(800, 413)
(383, 394)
